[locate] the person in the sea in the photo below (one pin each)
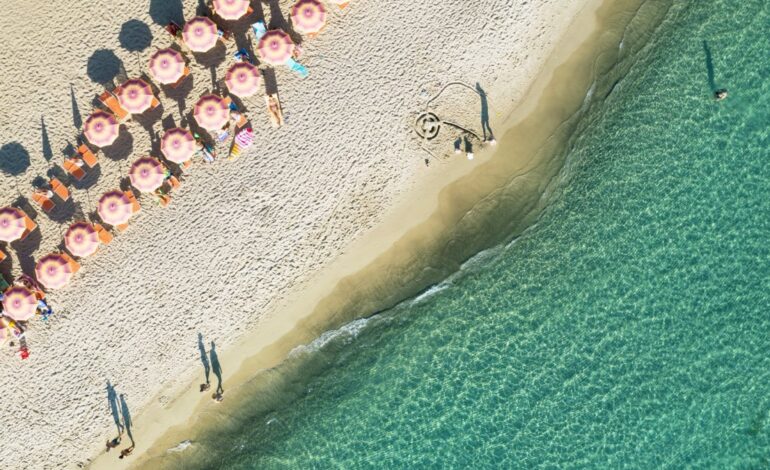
(720, 94)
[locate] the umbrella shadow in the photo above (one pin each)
(213, 57)
(103, 66)
(14, 159)
(485, 127)
(709, 67)
(180, 93)
(135, 36)
(216, 367)
(47, 152)
(270, 81)
(77, 119)
(278, 21)
(164, 11)
(121, 148)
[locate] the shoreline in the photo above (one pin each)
(303, 320)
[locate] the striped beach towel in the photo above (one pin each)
(242, 141)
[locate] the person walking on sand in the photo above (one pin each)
(126, 452)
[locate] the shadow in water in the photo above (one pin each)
(47, 152)
(77, 119)
(14, 159)
(216, 367)
(485, 128)
(103, 66)
(135, 36)
(709, 67)
(164, 11)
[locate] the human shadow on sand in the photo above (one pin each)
(112, 400)
(485, 127)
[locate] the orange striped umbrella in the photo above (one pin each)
(114, 208)
(81, 239)
(211, 112)
(135, 96)
(12, 225)
(147, 174)
(275, 47)
(231, 9)
(167, 66)
(242, 79)
(53, 271)
(19, 303)
(178, 145)
(200, 34)
(308, 16)
(101, 128)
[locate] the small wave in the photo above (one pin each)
(349, 331)
(429, 292)
(181, 447)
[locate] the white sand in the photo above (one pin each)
(238, 235)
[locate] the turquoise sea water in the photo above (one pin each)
(629, 328)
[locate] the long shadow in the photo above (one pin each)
(485, 128)
(278, 21)
(121, 148)
(77, 119)
(204, 358)
(164, 11)
(709, 66)
(213, 57)
(91, 178)
(181, 92)
(271, 83)
(103, 66)
(202, 9)
(127, 423)
(14, 159)
(112, 400)
(47, 152)
(216, 367)
(135, 36)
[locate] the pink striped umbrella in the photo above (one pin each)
(135, 96)
(53, 271)
(81, 239)
(114, 208)
(167, 66)
(178, 145)
(275, 47)
(308, 16)
(242, 79)
(200, 34)
(231, 9)
(147, 174)
(12, 225)
(101, 128)
(211, 112)
(19, 303)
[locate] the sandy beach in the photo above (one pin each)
(241, 239)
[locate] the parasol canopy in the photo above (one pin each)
(135, 96)
(81, 239)
(53, 271)
(114, 208)
(147, 174)
(101, 128)
(211, 112)
(308, 16)
(167, 66)
(275, 47)
(19, 303)
(242, 79)
(231, 9)
(12, 225)
(178, 145)
(200, 34)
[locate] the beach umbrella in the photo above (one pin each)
(114, 208)
(308, 16)
(167, 66)
(231, 9)
(147, 174)
(242, 79)
(53, 271)
(200, 34)
(19, 303)
(81, 239)
(101, 128)
(275, 47)
(211, 112)
(135, 96)
(12, 225)
(178, 145)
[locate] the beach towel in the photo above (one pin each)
(259, 29)
(297, 67)
(242, 141)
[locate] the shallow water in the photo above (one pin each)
(629, 327)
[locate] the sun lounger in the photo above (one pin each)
(174, 182)
(59, 189)
(135, 207)
(74, 265)
(104, 235)
(111, 102)
(43, 201)
(73, 168)
(298, 68)
(30, 224)
(274, 109)
(185, 74)
(88, 156)
(163, 199)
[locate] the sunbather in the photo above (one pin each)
(44, 192)
(44, 309)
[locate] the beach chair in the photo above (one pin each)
(43, 201)
(30, 225)
(184, 76)
(174, 183)
(59, 189)
(135, 207)
(274, 109)
(74, 265)
(88, 156)
(163, 199)
(71, 166)
(104, 235)
(111, 102)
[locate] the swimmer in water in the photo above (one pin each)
(720, 94)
